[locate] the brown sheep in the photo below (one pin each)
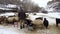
(38, 23)
(12, 19)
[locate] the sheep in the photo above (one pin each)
(11, 20)
(37, 22)
(57, 21)
(45, 22)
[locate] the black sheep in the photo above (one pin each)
(29, 24)
(45, 22)
(57, 21)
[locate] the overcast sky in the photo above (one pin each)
(41, 3)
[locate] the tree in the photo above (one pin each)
(55, 5)
(27, 5)
(30, 6)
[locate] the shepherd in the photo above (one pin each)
(22, 17)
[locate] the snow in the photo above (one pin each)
(4, 30)
(8, 14)
(55, 15)
(5, 8)
(11, 6)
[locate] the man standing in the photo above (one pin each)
(22, 17)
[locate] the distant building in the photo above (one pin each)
(8, 8)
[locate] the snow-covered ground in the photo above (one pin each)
(7, 14)
(52, 29)
(7, 30)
